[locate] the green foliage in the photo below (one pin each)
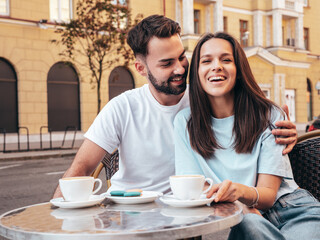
(98, 32)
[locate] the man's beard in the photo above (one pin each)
(166, 87)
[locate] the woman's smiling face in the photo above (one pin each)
(217, 70)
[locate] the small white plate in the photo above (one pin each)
(93, 200)
(147, 196)
(172, 201)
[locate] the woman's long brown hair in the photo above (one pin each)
(251, 108)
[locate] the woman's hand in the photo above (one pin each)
(289, 132)
(262, 197)
(227, 191)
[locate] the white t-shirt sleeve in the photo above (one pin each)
(185, 161)
(105, 131)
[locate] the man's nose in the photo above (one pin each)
(179, 68)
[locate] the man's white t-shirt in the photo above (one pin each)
(142, 130)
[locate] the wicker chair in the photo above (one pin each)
(110, 163)
(305, 162)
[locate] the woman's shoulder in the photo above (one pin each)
(277, 114)
(183, 115)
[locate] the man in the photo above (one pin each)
(139, 122)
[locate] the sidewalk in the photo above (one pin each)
(38, 154)
(37, 150)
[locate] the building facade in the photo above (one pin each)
(38, 91)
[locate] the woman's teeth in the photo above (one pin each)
(219, 78)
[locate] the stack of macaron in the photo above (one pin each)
(127, 193)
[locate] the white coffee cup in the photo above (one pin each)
(78, 189)
(189, 187)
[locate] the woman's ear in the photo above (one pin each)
(141, 67)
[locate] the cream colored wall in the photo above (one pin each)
(23, 47)
(311, 20)
(148, 8)
(238, 4)
(202, 21)
(27, 47)
(234, 24)
(31, 9)
(261, 4)
(313, 74)
(296, 79)
(262, 71)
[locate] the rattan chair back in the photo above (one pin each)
(111, 165)
(305, 162)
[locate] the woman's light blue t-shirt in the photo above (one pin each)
(266, 156)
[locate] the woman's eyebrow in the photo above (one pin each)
(222, 55)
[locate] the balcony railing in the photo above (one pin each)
(290, 42)
(290, 5)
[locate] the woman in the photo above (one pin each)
(226, 135)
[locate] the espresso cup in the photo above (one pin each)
(189, 187)
(78, 189)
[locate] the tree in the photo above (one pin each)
(98, 32)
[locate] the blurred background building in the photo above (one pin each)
(37, 90)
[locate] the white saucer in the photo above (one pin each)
(172, 201)
(147, 196)
(94, 199)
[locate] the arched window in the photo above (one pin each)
(63, 97)
(120, 80)
(309, 99)
(8, 97)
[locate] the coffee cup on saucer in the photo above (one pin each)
(189, 187)
(78, 189)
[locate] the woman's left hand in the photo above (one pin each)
(288, 131)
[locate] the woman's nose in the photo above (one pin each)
(216, 66)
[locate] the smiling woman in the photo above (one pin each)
(217, 73)
(226, 135)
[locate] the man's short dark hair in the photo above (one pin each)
(152, 26)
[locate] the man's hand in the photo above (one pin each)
(289, 131)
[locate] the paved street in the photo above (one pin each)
(30, 181)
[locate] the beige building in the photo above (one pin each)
(38, 92)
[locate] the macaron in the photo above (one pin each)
(132, 194)
(117, 193)
(134, 190)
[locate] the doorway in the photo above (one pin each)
(120, 80)
(63, 97)
(8, 97)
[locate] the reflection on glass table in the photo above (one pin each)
(118, 221)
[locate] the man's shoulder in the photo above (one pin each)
(132, 93)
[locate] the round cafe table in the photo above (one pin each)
(117, 221)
